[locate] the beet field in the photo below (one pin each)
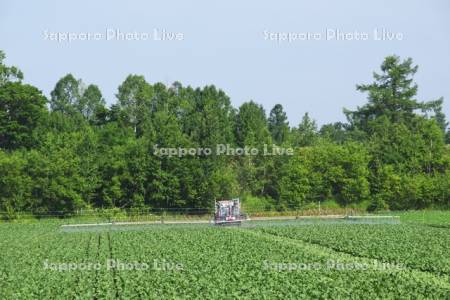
(256, 260)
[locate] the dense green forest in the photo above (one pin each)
(71, 151)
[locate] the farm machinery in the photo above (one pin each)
(228, 212)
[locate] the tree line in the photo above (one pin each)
(71, 151)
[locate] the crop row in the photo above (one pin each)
(419, 247)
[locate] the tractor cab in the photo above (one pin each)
(228, 212)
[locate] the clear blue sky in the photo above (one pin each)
(224, 44)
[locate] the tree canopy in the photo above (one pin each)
(75, 152)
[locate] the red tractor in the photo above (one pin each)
(228, 212)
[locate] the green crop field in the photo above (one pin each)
(260, 260)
